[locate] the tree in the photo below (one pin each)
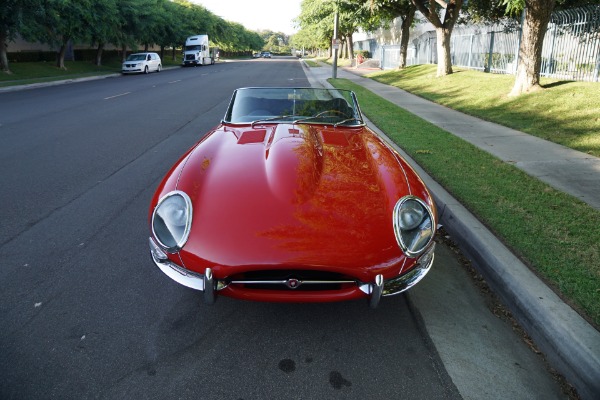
(387, 10)
(406, 13)
(537, 14)
(354, 14)
(316, 17)
(124, 23)
(277, 42)
(228, 36)
(432, 10)
(58, 22)
(349, 19)
(12, 15)
(105, 22)
(309, 38)
(150, 22)
(129, 24)
(535, 25)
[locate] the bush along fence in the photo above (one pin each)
(571, 47)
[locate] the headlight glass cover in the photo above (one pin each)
(413, 225)
(171, 220)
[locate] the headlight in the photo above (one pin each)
(171, 220)
(413, 225)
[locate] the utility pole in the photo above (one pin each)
(335, 45)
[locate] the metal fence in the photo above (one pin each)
(571, 47)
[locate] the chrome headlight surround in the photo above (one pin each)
(413, 225)
(172, 221)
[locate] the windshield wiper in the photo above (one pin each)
(270, 119)
(348, 120)
(328, 116)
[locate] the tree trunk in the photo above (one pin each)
(350, 46)
(60, 59)
(405, 35)
(535, 25)
(443, 29)
(123, 53)
(99, 54)
(444, 65)
(3, 51)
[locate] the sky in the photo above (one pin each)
(274, 15)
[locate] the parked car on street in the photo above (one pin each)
(266, 54)
(142, 63)
(292, 198)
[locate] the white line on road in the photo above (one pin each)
(118, 95)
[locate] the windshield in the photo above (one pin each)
(293, 105)
(136, 57)
(193, 48)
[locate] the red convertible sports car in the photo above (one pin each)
(293, 199)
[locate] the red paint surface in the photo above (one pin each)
(293, 197)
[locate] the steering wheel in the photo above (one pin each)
(260, 112)
(322, 113)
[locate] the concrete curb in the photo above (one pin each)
(571, 344)
(16, 88)
(54, 83)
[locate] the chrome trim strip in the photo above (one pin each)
(355, 106)
(178, 274)
(404, 282)
(198, 281)
(284, 282)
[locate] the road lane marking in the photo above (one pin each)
(117, 95)
(179, 80)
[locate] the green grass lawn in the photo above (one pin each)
(30, 72)
(312, 63)
(554, 233)
(565, 112)
(36, 72)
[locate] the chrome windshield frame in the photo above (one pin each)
(339, 107)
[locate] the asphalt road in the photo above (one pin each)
(85, 314)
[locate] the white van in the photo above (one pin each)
(142, 62)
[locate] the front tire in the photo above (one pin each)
(146, 69)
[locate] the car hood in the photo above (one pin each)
(296, 196)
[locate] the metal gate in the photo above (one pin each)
(390, 57)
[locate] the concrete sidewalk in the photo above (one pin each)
(570, 343)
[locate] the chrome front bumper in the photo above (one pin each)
(375, 290)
